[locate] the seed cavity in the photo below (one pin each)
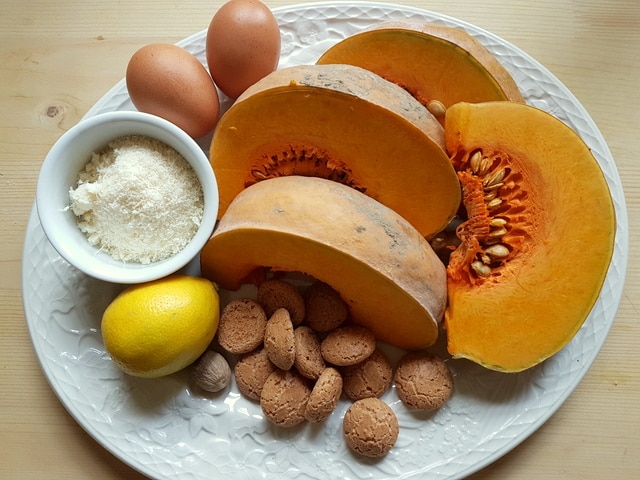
(304, 161)
(483, 232)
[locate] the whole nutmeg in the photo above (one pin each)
(212, 372)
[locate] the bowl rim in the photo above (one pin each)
(91, 260)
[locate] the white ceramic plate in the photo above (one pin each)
(167, 430)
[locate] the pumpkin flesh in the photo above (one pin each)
(383, 268)
(341, 123)
(557, 223)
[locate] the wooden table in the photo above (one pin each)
(58, 58)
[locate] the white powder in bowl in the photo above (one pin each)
(138, 200)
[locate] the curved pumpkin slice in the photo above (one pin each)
(432, 62)
(384, 269)
(345, 124)
(538, 239)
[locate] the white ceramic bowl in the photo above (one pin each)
(68, 157)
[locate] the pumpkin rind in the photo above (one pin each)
(558, 230)
(382, 267)
(432, 62)
(343, 123)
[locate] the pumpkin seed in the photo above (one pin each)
(496, 177)
(495, 186)
(474, 161)
(497, 251)
(498, 233)
(498, 222)
(436, 108)
(494, 203)
(490, 195)
(485, 165)
(259, 175)
(480, 268)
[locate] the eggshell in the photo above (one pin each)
(242, 45)
(167, 81)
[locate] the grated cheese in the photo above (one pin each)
(138, 200)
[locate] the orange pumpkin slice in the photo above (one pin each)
(434, 63)
(390, 278)
(345, 124)
(538, 240)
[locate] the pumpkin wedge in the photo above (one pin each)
(384, 269)
(538, 240)
(345, 124)
(435, 63)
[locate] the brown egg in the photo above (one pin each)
(243, 45)
(167, 81)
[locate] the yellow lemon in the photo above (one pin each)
(159, 327)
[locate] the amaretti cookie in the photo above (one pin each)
(324, 396)
(274, 294)
(348, 345)
(251, 371)
(279, 339)
(242, 325)
(423, 381)
(284, 398)
(308, 357)
(370, 427)
(325, 309)
(369, 378)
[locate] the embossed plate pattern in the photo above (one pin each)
(167, 430)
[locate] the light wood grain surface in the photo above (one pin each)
(57, 58)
